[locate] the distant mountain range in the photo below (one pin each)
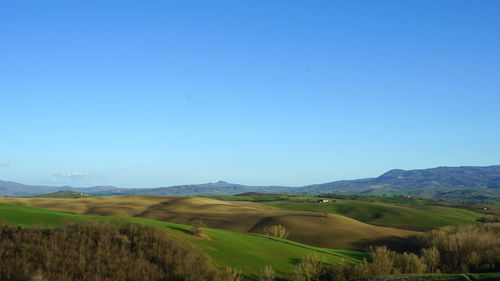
(217, 188)
(446, 183)
(14, 189)
(436, 178)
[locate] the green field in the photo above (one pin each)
(383, 214)
(250, 253)
(416, 214)
(225, 248)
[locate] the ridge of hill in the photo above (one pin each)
(466, 177)
(64, 194)
(467, 183)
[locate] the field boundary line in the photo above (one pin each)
(300, 246)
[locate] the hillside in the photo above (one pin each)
(225, 248)
(312, 228)
(246, 252)
(63, 194)
(449, 183)
(419, 218)
(435, 178)
(397, 212)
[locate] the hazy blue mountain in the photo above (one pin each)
(450, 183)
(217, 188)
(434, 178)
(12, 189)
(447, 183)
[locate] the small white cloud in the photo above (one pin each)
(3, 165)
(75, 176)
(70, 174)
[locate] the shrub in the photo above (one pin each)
(268, 274)
(382, 261)
(465, 249)
(276, 230)
(410, 263)
(430, 257)
(197, 227)
(489, 219)
(310, 268)
(231, 274)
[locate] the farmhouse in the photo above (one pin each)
(323, 201)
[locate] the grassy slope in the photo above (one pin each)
(312, 228)
(383, 211)
(248, 253)
(384, 214)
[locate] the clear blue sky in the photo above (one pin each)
(157, 93)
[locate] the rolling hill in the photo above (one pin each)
(225, 248)
(419, 218)
(397, 212)
(64, 194)
(246, 252)
(312, 228)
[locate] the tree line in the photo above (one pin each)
(119, 250)
(90, 250)
(451, 249)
